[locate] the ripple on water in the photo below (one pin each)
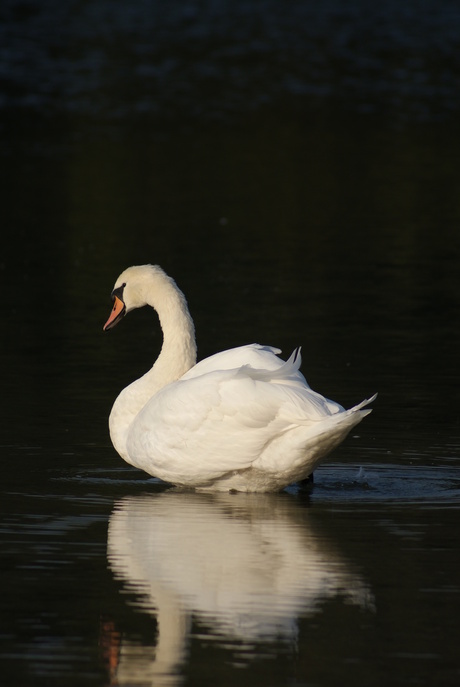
(428, 486)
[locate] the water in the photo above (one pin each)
(297, 173)
(112, 573)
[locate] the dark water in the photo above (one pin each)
(296, 169)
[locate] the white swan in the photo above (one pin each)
(239, 420)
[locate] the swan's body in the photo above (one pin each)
(242, 419)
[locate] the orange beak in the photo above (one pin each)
(116, 315)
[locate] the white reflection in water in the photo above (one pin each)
(245, 566)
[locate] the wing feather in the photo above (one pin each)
(219, 422)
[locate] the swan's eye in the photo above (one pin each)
(118, 292)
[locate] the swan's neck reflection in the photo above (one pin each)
(246, 566)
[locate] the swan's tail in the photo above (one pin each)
(358, 408)
(347, 419)
(307, 446)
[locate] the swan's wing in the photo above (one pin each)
(262, 363)
(219, 422)
(253, 355)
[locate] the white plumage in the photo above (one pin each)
(242, 419)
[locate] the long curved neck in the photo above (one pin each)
(177, 356)
(178, 352)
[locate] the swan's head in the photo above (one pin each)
(131, 291)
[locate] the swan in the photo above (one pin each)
(240, 420)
